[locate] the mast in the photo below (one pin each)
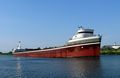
(19, 45)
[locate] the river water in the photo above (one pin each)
(107, 66)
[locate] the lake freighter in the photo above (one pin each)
(83, 43)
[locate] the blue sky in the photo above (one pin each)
(41, 23)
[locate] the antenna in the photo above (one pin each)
(80, 27)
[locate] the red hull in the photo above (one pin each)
(63, 52)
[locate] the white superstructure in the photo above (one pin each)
(18, 47)
(84, 36)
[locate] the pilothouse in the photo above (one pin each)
(84, 36)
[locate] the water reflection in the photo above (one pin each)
(83, 67)
(18, 68)
(59, 68)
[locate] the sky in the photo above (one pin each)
(42, 23)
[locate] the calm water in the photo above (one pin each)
(107, 66)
